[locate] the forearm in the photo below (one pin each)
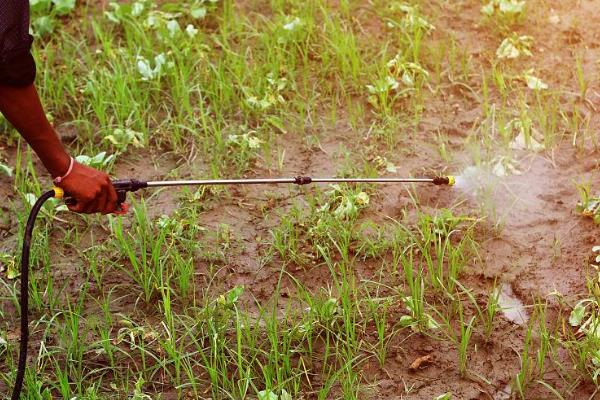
(22, 108)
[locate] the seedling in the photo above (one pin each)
(412, 22)
(506, 12)
(466, 330)
(515, 46)
(402, 79)
(588, 204)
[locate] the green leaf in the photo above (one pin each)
(285, 395)
(234, 294)
(533, 82)
(30, 198)
(432, 323)
(276, 122)
(362, 199)
(445, 396)
(6, 170)
(406, 320)
(198, 13)
(39, 6)
(515, 46)
(231, 297)
(63, 7)
(43, 26)
(8, 265)
(267, 395)
(577, 315)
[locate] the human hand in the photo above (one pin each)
(91, 189)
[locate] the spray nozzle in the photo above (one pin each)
(444, 180)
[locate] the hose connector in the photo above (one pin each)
(59, 193)
(302, 180)
(444, 180)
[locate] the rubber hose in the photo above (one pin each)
(24, 299)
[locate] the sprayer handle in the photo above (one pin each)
(122, 186)
(121, 201)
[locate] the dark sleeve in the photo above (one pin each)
(17, 67)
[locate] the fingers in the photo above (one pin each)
(101, 201)
(91, 203)
(111, 203)
(76, 207)
(92, 191)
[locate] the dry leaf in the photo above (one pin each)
(421, 362)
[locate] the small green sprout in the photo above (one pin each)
(417, 318)
(504, 7)
(271, 97)
(230, 298)
(409, 73)
(383, 86)
(382, 164)
(515, 46)
(121, 138)
(588, 204)
(148, 72)
(403, 78)
(8, 265)
(345, 202)
(412, 20)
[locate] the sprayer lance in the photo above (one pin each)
(133, 185)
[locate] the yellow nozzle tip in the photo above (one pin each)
(58, 193)
(451, 180)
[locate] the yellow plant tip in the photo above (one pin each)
(451, 180)
(58, 193)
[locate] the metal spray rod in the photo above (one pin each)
(301, 180)
(123, 186)
(133, 185)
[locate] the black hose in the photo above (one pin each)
(24, 299)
